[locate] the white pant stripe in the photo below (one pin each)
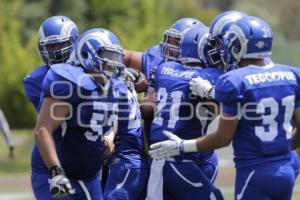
(185, 179)
(240, 195)
(86, 191)
(120, 185)
(214, 175)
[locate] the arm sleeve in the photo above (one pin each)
(227, 95)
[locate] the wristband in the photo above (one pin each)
(110, 135)
(56, 170)
(188, 146)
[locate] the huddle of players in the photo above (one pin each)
(89, 113)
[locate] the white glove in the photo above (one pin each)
(203, 88)
(166, 148)
(172, 147)
(60, 185)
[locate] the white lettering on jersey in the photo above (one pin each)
(177, 73)
(270, 77)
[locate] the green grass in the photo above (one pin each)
(21, 163)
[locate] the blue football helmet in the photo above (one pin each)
(170, 49)
(221, 22)
(218, 27)
(247, 38)
(57, 37)
(99, 50)
(192, 43)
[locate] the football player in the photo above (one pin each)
(258, 101)
(128, 167)
(82, 99)
(57, 37)
(218, 27)
(168, 49)
(177, 111)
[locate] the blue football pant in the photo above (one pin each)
(133, 180)
(84, 190)
(271, 181)
(183, 180)
(187, 180)
(295, 163)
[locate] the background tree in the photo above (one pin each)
(138, 23)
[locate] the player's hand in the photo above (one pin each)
(131, 75)
(110, 147)
(11, 152)
(201, 87)
(109, 143)
(60, 185)
(168, 148)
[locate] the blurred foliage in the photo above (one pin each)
(138, 23)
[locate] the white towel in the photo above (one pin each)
(155, 183)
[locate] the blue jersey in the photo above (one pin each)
(129, 138)
(151, 58)
(264, 98)
(178, 111)
(92, 114)
(33, 84)
(212, 74)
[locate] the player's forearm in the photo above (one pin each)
(133, 59)
(222, 136)
(295, 139)
(211, 142)
(46, 147)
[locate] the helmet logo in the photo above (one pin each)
(237, 42)
(260, 44)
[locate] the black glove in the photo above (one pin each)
(60, 185)
(152, 77)
(132, 74)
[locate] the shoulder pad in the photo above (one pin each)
(75, 75)
(226, 91)
(37, 73)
